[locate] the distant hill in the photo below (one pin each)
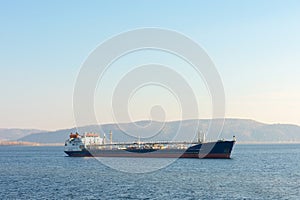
(15, 134)
(245, 130)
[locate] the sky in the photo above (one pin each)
(255, 46)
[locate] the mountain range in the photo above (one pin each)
(15, 134)
(245, 130)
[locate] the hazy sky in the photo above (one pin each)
(255, 46)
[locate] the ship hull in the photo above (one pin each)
(219, 149)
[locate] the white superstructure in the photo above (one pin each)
(77, 142)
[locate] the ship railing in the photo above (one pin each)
(146, 143)
(154, 145)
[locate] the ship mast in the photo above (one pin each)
(199, 139)
(139, 141)
(104, 139)
(110, 139)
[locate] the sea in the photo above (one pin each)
(264, 171)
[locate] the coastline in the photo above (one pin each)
(22, 143)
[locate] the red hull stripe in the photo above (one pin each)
(146, 155)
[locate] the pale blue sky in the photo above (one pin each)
(254, 44)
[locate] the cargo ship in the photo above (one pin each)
(92, 145)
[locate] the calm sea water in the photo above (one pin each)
(254, 172)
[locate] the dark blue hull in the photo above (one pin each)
(219, 149)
